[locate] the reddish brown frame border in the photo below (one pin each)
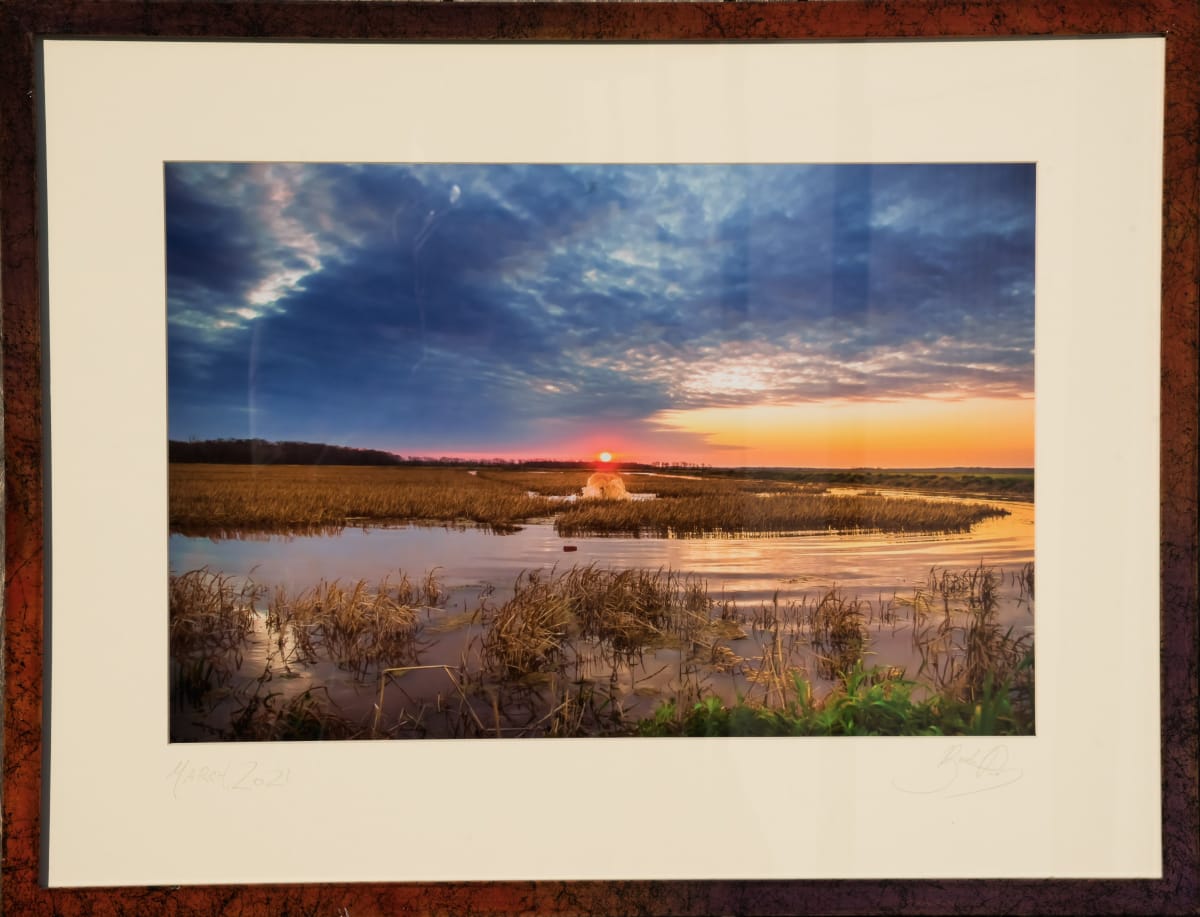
(26, 20)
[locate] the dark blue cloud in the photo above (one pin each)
(206, 243)
(478, 307)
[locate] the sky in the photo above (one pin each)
(729, 315)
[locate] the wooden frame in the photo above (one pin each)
(24, 631)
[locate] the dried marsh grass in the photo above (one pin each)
(209, 619)
(623, 612)
(220, 499)
(838, 633)
(358, 626)
(573, 652)
(965, 653)
(743, 513)
(215, 498)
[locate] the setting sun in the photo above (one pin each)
(606, 457)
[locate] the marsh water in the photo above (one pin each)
(748, 568)
(474, 564)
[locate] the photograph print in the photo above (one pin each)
(505, 451)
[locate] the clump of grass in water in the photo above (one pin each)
(630, 610)
(624, 612)
(359, 627)
(838, 633)
(778, 629)
(578, 620)
(967, 654)
(528, 634)
(739, 513)
(209, 620)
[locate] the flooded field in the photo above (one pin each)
(749, 568)
(520, 634)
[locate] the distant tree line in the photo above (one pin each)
(265, 452)
(262, 452)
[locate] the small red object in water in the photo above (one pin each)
(570, 547)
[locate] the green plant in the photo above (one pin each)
(871, 702)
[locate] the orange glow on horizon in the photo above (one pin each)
(919, 433)
(916, 433)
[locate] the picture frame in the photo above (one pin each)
(29, 541)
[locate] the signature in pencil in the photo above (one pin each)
(962, 771)
(240, 776)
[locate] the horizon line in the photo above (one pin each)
(595, 460)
